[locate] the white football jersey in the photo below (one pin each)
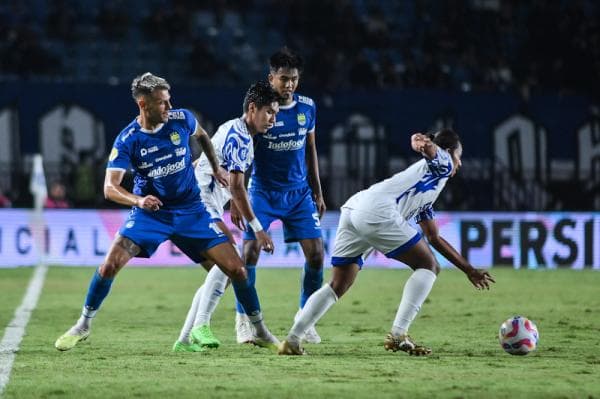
(408, 194)
(235, 152)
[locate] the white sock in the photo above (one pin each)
(85, 320)
(316, 306)
(417, 288)
(258, 324)
(191, 316)
(83, 323)
(214, 288)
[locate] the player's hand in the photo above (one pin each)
(222, 176)
(149, 203)
(481, 279)
(420, 142)
(320, 203)
(265, 242)
(236, 217)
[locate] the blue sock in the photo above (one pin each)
(246, 294)
(312, 280)
(251, 269)
(98, 290)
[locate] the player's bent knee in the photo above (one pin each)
(340, 287)
(207, 265)
(433, 266)
(238, 273)
(251, 252)
(108, 269)
(315, 259)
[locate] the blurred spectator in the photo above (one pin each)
(504, 45)
(60, 21)
(203, 60)
(57, 197)
(113, 20)
(85, 176)
(25, 55)
(4, 201)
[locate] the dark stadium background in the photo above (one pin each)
(378, 70)
(519, 80)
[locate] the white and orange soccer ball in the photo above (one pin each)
(518, 335)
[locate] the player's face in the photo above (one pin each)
(157, 106)
(262, 119)
(457, 159)
(285, 82)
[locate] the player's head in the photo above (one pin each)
(285, 67)
(449, 140)
(260, 106)
(151, 93)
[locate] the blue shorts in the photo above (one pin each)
(296, 210)
(192, 232)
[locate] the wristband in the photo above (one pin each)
(255, 225)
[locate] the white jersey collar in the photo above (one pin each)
(289, 106)
(243, 127)
(153, 131)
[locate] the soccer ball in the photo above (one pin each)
(518, 335)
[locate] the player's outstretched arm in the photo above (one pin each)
(113, 191)
(479, 278)
(312, 162)
(240, 199)
(208, 148)
(422, 144)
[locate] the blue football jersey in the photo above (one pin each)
(161, 160)
(279, 154)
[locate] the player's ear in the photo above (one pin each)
(251, 108)
(271, 77)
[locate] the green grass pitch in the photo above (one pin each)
(129, 354)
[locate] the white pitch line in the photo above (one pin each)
(16, 328)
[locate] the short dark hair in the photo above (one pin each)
(287, 59)
(146, 83)
(261, 94)
(446, 139)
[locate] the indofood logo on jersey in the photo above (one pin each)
(168, 169)
(175, 138)
(301, 119)
(290, 145)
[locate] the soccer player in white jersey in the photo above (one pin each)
(378, 218)
(235, 152)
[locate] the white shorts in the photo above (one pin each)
(214, 198)
(358, 234)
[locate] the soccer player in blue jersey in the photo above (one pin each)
(285, 184)
(166, 203)
(235, 153)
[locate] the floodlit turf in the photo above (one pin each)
(13, 284)
(128, 353)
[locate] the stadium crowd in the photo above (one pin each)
(490, 45)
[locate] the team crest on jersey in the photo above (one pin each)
(175, 138)
(114, 153)
(301, 119)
